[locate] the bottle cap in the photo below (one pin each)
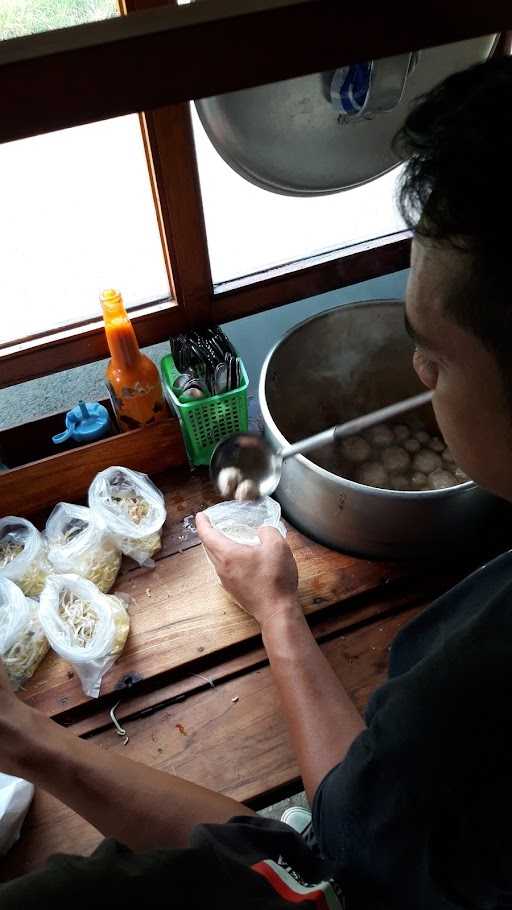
(113, 306)
(86, 422)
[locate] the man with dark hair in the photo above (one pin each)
(411, 807)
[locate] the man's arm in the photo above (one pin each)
(134, 803)
(323, 721)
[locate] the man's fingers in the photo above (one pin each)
(206, 532)
(202, 521)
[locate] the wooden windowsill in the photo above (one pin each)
(69, 348)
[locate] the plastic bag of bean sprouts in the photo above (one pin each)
(23, 643)
(77, 543)
(23, 555)
(84, 626)
(132, 510)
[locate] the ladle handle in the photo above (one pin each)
(342, 430)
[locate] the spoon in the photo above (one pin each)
(247, 460)
(188, 387)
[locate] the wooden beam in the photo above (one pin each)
(73, 346)
(172, 164)
(170, 153)
(170, 54)
(289, 283)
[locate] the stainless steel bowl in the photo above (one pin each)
(348, 361)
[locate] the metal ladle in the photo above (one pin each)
(256, 461)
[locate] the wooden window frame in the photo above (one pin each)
(38, 67)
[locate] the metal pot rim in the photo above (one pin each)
(310, 465)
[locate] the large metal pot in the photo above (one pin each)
(342, 363)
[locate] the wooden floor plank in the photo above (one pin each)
(329, 623)
(250, 730)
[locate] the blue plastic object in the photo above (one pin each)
(86, 422)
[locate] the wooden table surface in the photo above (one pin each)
(194, 686)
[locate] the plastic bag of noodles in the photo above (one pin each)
(23, 555)
(77, 543)
(132, 509)
(23, 643)
(84, 626)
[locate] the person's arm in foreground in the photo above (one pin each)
(322, 719)
(136, 804)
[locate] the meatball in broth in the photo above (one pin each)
(398, 457)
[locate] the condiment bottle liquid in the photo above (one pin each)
(132, 378)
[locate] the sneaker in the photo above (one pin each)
(297, 818)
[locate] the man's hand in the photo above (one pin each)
(322, 719)
(262, 579)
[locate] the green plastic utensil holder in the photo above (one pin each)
(206, 421)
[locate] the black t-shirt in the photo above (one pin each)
(251, 863)
(419, 814)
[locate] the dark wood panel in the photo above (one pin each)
(297, 281)
(32, 440)
(67, 476)
(170, 153)
(250, 730)
(57, 79)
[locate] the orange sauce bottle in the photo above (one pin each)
(132, 378)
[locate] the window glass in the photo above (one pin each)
(77, 215)
(251, 229)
